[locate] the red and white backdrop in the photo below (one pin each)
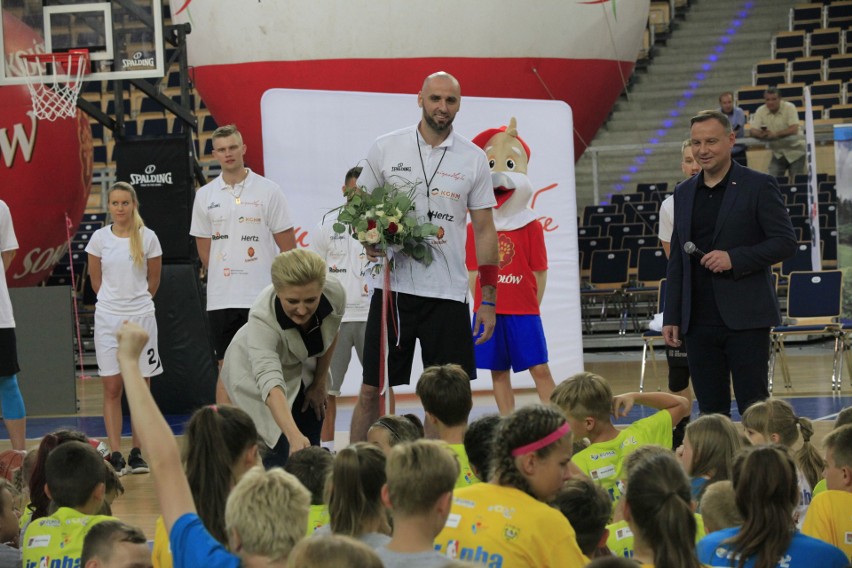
(311, 138)
(46, 172)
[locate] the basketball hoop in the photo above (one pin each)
(54, 81)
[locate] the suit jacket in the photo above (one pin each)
(754, 228)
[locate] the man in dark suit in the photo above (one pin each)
(723, 303)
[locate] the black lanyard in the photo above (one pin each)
(426, 178)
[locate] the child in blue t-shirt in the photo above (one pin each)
(272, 502)
(767, 492)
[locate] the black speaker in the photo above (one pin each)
(159, 170)
(189, 373)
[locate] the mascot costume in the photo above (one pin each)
(518, 342)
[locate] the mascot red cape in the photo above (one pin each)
(518, 343)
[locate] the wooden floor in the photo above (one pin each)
(810, 370)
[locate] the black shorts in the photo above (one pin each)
(8, 352)
(678, 368)
(442, 326)
(224, 325)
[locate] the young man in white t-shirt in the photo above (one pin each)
(14, 412)
(240, 222)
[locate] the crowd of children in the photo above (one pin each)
(499, 491)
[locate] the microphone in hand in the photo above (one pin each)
(692, 250)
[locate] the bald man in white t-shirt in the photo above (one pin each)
(450, 177)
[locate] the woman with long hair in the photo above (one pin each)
(125, 262)
(219, 446)
(767, 492)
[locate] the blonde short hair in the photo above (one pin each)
(269, 512)
(297, 267)
(226, 131)
(584, 394)
(719, 507)
(419, 473)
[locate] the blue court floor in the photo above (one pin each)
(810, 367)
(813, 407)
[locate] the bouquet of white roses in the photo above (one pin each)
(386, 219)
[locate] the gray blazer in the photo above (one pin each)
(262, 356)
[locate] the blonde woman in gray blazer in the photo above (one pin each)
(277, 366)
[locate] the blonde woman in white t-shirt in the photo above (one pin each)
(125, 261)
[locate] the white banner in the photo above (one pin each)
(813, 186)
(843, 162)
(311, 138)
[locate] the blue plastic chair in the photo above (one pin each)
(813, 308)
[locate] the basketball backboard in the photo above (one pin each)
(124, 37)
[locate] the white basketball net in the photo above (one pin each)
(54, 81)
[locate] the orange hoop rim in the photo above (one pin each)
(74, 57)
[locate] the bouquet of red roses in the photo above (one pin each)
(386, 219)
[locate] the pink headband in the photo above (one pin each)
(546, 441)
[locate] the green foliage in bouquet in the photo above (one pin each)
(386, 219)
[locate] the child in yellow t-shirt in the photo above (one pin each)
(444, 391)
(74, 474)
(829, 517)
(312, 467)
(507, 522)
(588, 402)
(844, 417)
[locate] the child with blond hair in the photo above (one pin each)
(588, 402)
(419, 493)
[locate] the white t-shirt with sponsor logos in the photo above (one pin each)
(346, 260)
(666, 219)
(124, 284)
(459, 179)
(7, 242)
(241, 247)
